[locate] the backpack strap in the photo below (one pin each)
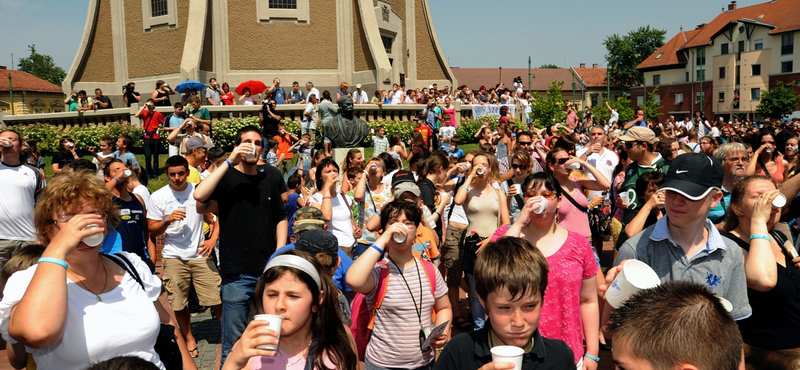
(430, 273)
(460, 182)
(517, 197)
(383, 285)
(118, 258)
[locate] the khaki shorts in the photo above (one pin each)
(202, 271)
(453, 241)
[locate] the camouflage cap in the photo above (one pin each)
(308, 218)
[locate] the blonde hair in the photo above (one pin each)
(494, 168)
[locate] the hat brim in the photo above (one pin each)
(306, 226)
(627, 137)
(687, 189)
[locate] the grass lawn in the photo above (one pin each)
(161, 181)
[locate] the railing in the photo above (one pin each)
(367, 112)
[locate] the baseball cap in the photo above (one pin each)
(693, 175)
(318, 241)
(406, 187)
(639, 134)
(358, 86)
(196, 142)
(430, 87)
(402, 176)
(308, 218)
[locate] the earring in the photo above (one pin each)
(740, 214)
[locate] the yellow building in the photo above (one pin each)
(371, 42)
(31, 94)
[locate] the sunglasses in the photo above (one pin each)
(562, 160)
(517, 166)
(524, 143)
(630, 144)
(546, 194)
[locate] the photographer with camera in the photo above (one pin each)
(129, 95)
(269, 118)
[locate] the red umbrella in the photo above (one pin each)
(256, 87)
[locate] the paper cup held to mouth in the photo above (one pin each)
(274, 323)
(511, 354)
(779, 201)
(634, 276)
(95, 239)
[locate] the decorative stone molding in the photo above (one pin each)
(150, 22)
(267, 14)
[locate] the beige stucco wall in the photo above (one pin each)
(749, 82)
(276, 45)
(99, 64)
(142, 45)
(399, 8)
(362, 57)
(207, 58)
(428, 65)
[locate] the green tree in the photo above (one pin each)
(778, 102)
(549, 66)
(623, 107)
(651, 106)
(549, 109)
(627, 51)
(42, 66)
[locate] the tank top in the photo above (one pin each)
(571, 218)
(394, 153)
(483, 214)
(165, 102)
(501, 150)
(452, 113)
(132, 225)
(777, 175)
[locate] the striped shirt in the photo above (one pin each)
(395, 336)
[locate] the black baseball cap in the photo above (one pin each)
(693, 175)
(402, 176)
(317, 241)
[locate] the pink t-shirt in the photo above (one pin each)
(560, 317)
(276, 362)
(572, 218)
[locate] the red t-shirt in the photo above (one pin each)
(227, 99)
(427, 133)
(151, 122)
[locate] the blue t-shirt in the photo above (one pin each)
(338, 275)
(174, 121)
(279, 95)
(291, 208)
(458, 153)
(297, 96)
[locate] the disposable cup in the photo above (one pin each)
(726, 303)
(512, 354)
(6, 143)
(627, 196)
(182, 208)
(252, 154)
(95, 239)
(635, 276)
(127, 173)
(518, 187)
(399, 238)
(274, 323)
(540, 207)
(779, 201)
(573, 166)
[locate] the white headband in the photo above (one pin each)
(297, 262)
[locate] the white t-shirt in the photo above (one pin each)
(341, 223)
(360, 98)
(314, 92)
(18, 188)
(397, 97)
(182, 237)
(250, 100)
(447, 131)
(96, 161)
(125, 323)
(715, 132)
(605, 162)
(142, 191)
(614, 117)
(310, 124)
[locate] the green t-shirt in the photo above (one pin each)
(201, 113)
(73, 105)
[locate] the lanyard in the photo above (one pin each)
(417, 309)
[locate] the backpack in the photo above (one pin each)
(362, 316)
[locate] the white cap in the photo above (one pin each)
(430, 87)
(358, 86)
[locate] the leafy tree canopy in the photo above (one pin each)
(778, 102)
(548, 110)
(549, 66)
(627, 51)
(42, 66)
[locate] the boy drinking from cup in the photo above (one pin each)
(510, 279)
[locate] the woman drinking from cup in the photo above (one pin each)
(337, 209)
(570, 311)
(373, 193)
(766, 161)
(486, 210)
(773, 279)
(76, 306)
(65, 154)
(294, 292)
(521, 165)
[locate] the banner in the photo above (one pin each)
(490, 109)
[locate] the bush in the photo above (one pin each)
(468, 127)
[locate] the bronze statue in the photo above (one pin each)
(345, 130)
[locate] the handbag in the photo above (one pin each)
(600, 217)
(166, 345)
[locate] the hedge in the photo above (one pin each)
(223, 132)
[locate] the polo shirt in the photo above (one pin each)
(719, 266)
(470, 351)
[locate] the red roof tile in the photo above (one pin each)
(592, 77)
(489, 77)
(779, 13)
(25, 81)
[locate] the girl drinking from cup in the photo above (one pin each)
(311, 330)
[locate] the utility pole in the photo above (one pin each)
(500, 79)
(573, 88)
(11, 92)
(608, 83)
(529, 76)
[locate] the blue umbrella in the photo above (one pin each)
(191, 85)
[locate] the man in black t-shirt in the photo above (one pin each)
(253, 224)
(268, 118)
(129, 95)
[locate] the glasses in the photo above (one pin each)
(524, 143)
(65, 218)
(562, 160)
(737, 159)
(517, 166)
(546, 194)
(630, 144)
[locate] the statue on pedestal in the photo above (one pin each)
(345, 130)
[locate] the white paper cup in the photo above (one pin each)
(512, 354)
(274, 323)
(779, 201)
(627, 196)
(518, 187)
(95, 239)
(726, 303)
(540, 207)
(635, 276)
(399, 238)
(573, 166)
(127, 173)
(252, 154)
(182, 208)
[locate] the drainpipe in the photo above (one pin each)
(11, 92)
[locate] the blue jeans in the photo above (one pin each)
(151, 149)
(478, 313)
(237, 294)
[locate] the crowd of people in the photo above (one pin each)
(310, 262)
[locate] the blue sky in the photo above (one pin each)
(472, 34)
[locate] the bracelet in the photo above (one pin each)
(229, 162)
(760, 236)
(375, 247)
(165, 221)
(595, 358)
(437, 212)
(323, 198)
(57, 261)
(465, 187)
(116, 179)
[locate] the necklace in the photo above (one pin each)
(287, 365)
(105, 282)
